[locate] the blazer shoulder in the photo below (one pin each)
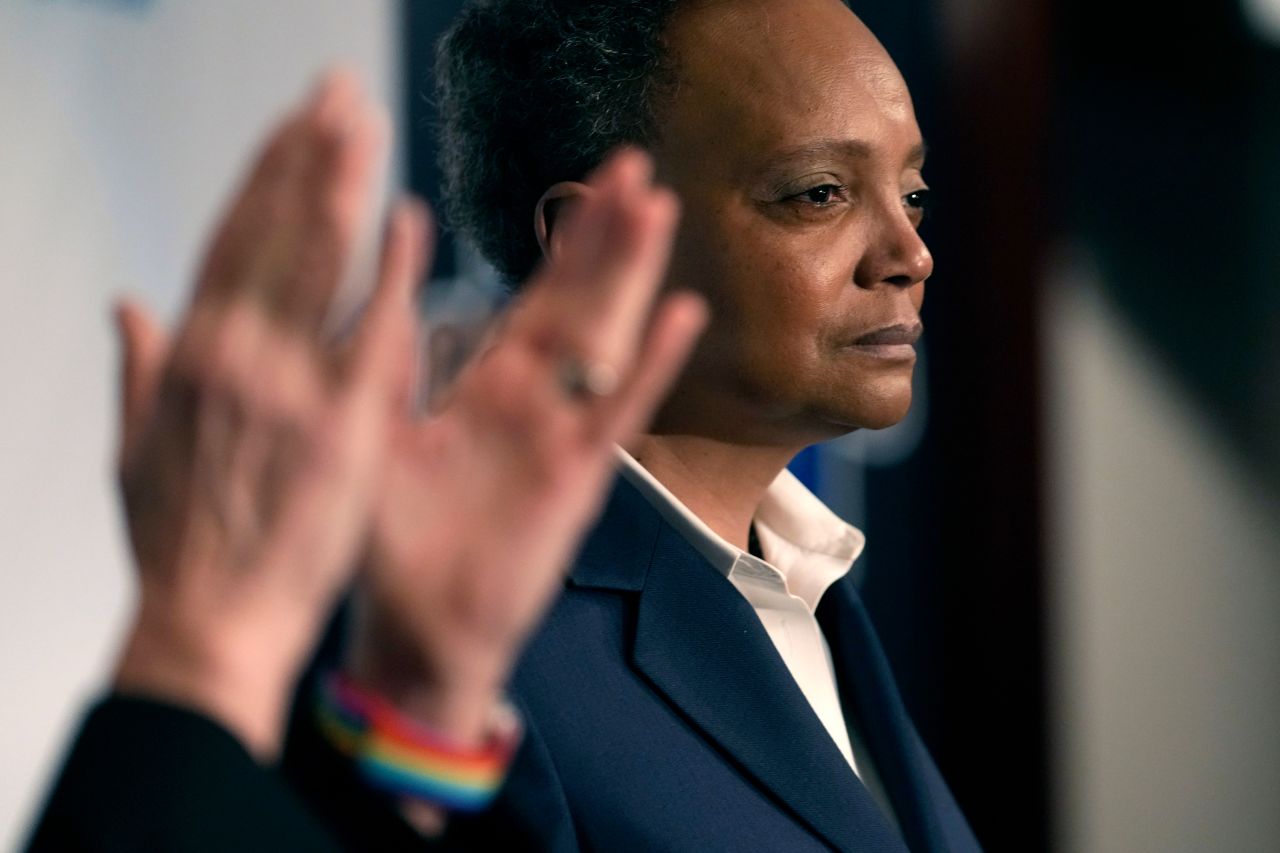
(619, 548)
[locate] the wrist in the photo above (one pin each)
(422, 767)
(458, 703)
(436, 676)
(213, 672)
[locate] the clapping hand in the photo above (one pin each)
(483, 503)
(260, 455)
(252, 441)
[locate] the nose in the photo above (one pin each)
(895, 253)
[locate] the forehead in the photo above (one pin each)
(756, 76)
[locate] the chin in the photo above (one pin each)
(884, 419)
(869, 411)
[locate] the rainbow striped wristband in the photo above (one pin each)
(403, 757)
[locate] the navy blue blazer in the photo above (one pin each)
(661, 717)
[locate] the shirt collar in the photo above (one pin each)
(806, 546)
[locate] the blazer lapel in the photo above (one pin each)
(702, 646)
(868, 692)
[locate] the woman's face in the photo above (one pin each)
(793, 144)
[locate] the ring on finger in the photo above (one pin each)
(582, 380)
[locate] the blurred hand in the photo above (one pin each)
(483, 504)
(251, 444)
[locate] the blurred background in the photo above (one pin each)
(1074, 540)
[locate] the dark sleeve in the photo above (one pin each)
(146, 776)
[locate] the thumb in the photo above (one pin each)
(143, 347)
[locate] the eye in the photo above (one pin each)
(823, 195)
(918, 203)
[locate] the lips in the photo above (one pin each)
(897, 334)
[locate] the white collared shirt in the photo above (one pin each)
(807, 548)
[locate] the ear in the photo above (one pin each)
(551, 208)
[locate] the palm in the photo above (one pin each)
(491, 495)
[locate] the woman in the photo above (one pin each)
(709, 679)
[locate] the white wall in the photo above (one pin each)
(1166, 568)
(124, 125)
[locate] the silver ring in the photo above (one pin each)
(586, 380)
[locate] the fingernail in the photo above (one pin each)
(338, 87)
(323, 85)
(635, 166)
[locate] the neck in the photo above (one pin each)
(720, 483)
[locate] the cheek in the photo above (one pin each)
(793, 288)
(779, 296)
(783, 300)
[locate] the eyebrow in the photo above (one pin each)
(853, 149)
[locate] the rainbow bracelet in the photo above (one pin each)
(403, 757)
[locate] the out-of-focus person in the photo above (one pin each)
(257, 446)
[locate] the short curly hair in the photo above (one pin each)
(532, 92)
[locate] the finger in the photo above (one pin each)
(617, 182)
(253, 211)
(384, 353)
(599, 295)
(676, 327)
(631, 270)
(569, 278)
(228, 334)
(144, 345)
(326, 208)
